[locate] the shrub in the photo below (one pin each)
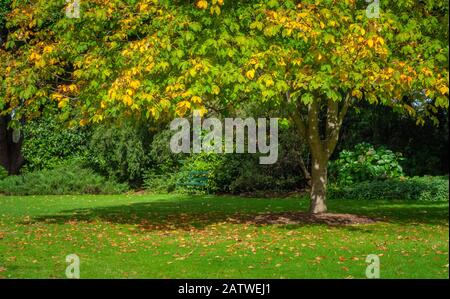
(235, 173)
(48, 143)
(365, 163)
(426, 188)
(119, 151)
(159, 183)
(63, 179)
(208, 162)
(162, 159)
(3, 172)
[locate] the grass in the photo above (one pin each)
(176, 236)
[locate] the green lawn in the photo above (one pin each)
(176, 236)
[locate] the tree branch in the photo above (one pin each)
(314, 139)
(334, 123)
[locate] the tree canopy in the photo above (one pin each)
(151, 57)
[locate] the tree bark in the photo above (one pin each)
(10, 152)
(321, 145)
(319, 161)
(305, 171)
(319, 184)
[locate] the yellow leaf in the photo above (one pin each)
(63, 103)
(196, 100)
(215, 89)
(112, 94)
(182, 107)
(97, 118)
(370, 43)
(184, 104)
(135, 84)
(56, 96)
(202, 111)
(127, 100)
(48, 49)
(83, 122)
(410, 109)
(202, 4)
(143, 6)
(164, 103)
(443, 89)
(269, 82)
(250, 74)
(357, 93)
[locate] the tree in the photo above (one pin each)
(313, 60)
(327, 55)
(10, 140)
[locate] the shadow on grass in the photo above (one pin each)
(396, 211)
(197, 212)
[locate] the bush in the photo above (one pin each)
(119, 151)
(235, 173)
(47, 144)
(64, 179)
(3, 172)
(365, 163)
(426, 188)
(208, 162)
(162, 160)
(159, 183)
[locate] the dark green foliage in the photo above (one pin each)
(163, 161)
(424, 147)
(159, 183)
(63, 179)
(3, 172)
(235, 173)
(48, 143)
(426, 188)
(119, 151)
(5, 6)
(210, 163)
(365, 163)
(245, 174)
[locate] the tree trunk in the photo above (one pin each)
(10, 152)
(321, 144)
(319, 185)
